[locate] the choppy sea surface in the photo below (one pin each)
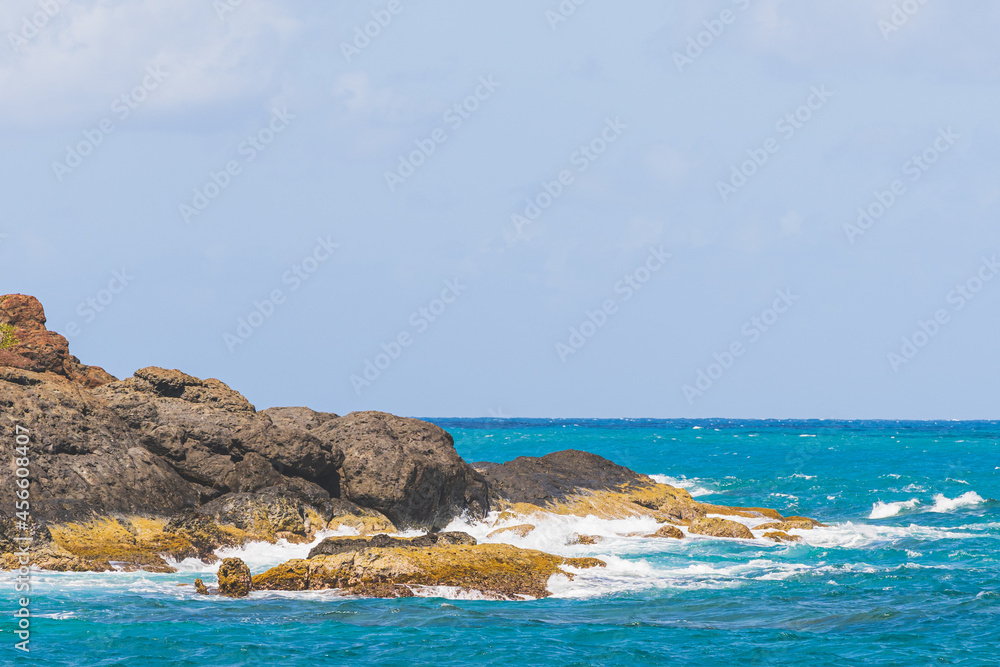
(907, 573)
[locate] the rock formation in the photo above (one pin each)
(129, 474)
(167, 464)
(497, 571)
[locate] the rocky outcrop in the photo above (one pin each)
(167, 465)
(580, 484)
(235, 580)
(163, 466)
(497, 571)
(26, 344)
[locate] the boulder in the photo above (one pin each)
(716, 527)
(235, 580)
(557, 476)
(406, 469)
(669, 531)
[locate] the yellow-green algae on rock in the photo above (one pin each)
(498, 571)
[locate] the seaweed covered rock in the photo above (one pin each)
(339, 545)
(235, 580)
(717, 527)
(497, 571)
(669, 531)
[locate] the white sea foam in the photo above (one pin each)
(851, 535)
(957, 481)
(968, 499)
(881, 510)
(258, 556)
(694, 486)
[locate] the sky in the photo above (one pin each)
(736, 208)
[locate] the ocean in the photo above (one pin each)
(907, 573)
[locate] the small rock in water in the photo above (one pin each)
(199, 587)
(669, 531)
(235, 580)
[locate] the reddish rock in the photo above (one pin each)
(26, 344)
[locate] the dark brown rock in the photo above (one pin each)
(406, 469)
(557, 476)
(200, 588)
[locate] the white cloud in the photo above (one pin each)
(91, 52)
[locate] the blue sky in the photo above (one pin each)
(219, 155)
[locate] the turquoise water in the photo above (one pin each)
(907, 574)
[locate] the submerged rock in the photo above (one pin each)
(235, 580)
(498, 571)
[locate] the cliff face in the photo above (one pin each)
(166, 446)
